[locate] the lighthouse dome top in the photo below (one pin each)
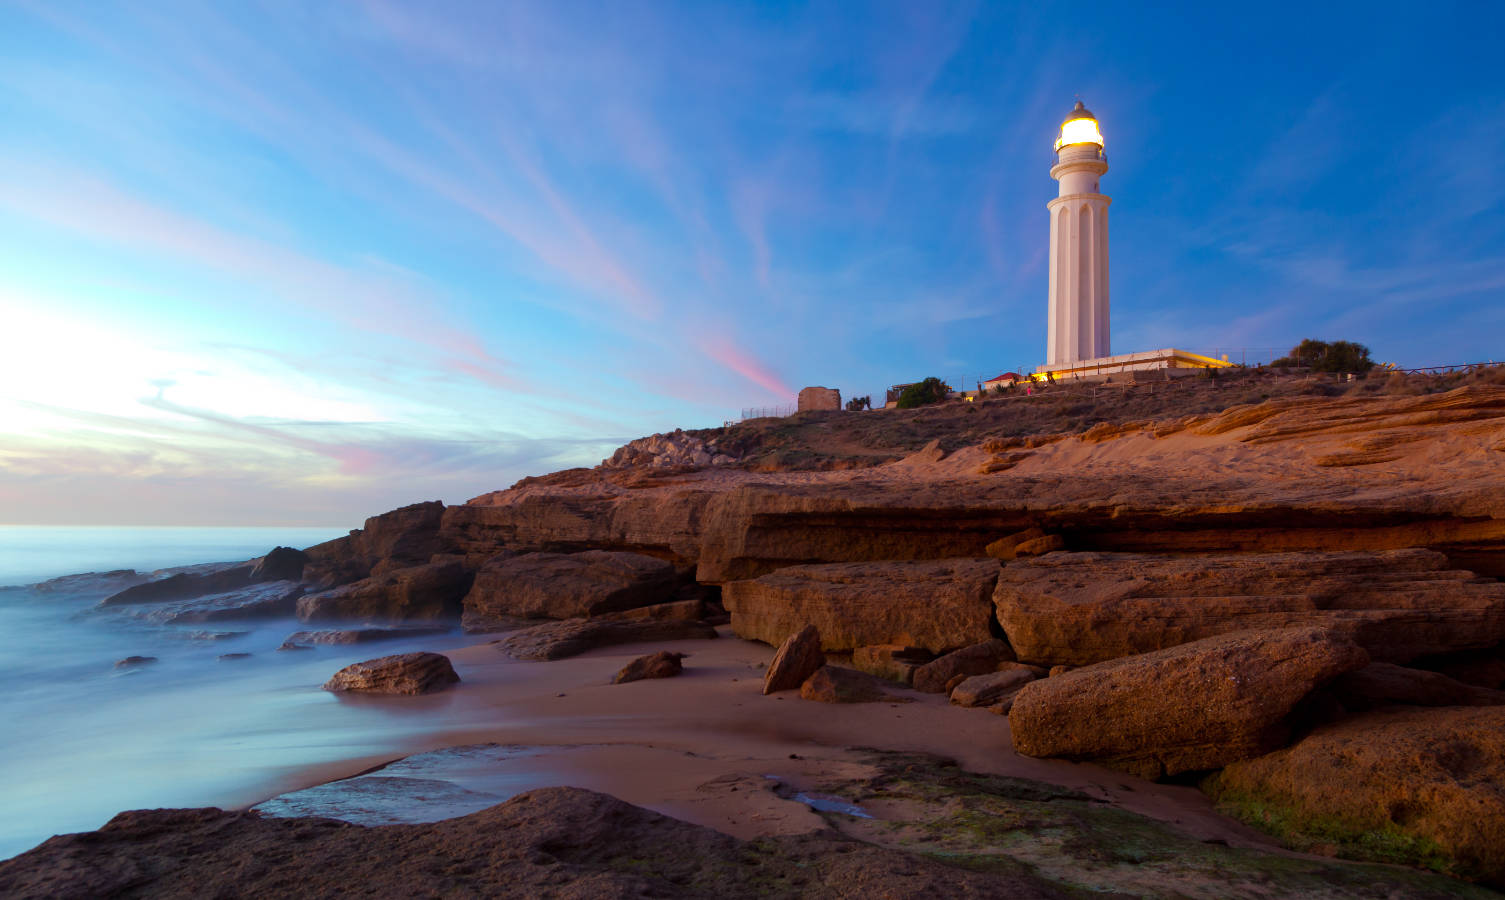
(1079, 127)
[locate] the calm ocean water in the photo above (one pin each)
(83, 740)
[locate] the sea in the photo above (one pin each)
(82, 739)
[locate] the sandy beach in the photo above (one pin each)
(707, 747)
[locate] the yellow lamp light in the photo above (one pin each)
(1079, 128)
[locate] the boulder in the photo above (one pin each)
(796, 660)
(662, 664)
(1406, 782)
(280, 564)
(1081, 608)
(132, 661)
(571, 637)
(978, 659)
(405, 673)
(1385, 684)
(994, 687)
(402, 538)
(894, 662)
(345, 636)
(834, 684)
(1195, 706)
(935, 604)
(427, 592)
(567, 586)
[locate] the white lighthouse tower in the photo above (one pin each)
(1078, 326)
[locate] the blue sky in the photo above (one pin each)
(293, 263)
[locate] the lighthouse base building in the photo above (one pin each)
(1077, 344)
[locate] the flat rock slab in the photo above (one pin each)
(1082, 608)
(994, 687)
(1195, 706)
(937, 605)
(567, 585)
(1386, 684)
(835, 684)
(978, 659)
(559, 640)
(268, 600)
(427, 592)
(344, 636)
(405, 673)
(1435, 778)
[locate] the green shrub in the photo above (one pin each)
(931, 390)
(1321, 356)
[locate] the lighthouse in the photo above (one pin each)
(1076, 343)
(1078, 324)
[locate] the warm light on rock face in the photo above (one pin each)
(1079, 131)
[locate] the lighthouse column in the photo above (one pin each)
(1078, 320)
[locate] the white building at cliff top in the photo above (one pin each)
(1077, 344)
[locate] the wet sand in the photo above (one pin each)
(706, 746)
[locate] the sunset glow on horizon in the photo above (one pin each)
(298, 264)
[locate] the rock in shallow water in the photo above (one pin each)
(404, 673)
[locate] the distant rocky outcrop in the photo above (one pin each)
(566, 585)
(405, 673)
(1196, 706)
(671, 450)
(424, 592)
(345, 636)
(184, 586)
(268, 600)
(938, 605)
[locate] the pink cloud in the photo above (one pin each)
(722, 351)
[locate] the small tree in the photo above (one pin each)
(1321, 356)
(931, 390)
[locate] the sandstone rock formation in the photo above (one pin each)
(280, 564)
(1411, 782)
(571, 637)
(1195, 706)
(426, 592)
(978, 659)
(673, 450)
(1386, 684)
(797, 659)
(894, 662)
(401, 538)
(1080, 608)
(268, 600)
(935, 604)
(835, 684)
(565, 586)
(995, 687)
(662, 664)
(405, 673)
(344, 636)
(554, 842)
(184, 586)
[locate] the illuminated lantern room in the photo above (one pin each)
(1079, 128)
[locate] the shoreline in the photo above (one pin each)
(667, 744)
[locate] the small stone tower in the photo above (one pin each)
(1078, 325)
